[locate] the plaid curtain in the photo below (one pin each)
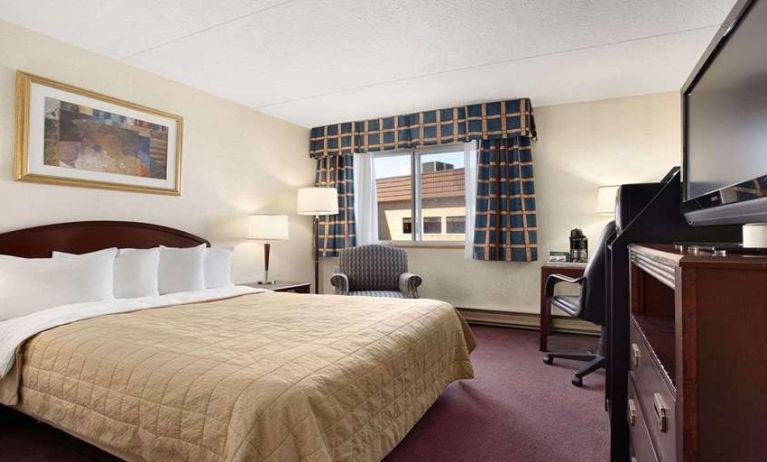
(508, 124)
(505, 227)
(337, 232)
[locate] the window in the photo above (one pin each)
(407, 225)
(456, 224)
(420, 194)
(432, 225)
(395, 197)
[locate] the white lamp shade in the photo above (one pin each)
(606, 200)
(268, 227)
(317, 201)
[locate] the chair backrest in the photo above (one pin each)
(631, 199)
(594, 296)
(373, 267)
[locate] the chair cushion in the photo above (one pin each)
(568, 303)
(377, 293)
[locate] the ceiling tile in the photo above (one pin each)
(121, 28)
(302, 59)
(632, 68)
(311, 48)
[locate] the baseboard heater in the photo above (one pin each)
(531, 321)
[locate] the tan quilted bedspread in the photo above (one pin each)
(261, 377)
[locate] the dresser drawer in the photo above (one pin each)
(642, 449)
(655, 396)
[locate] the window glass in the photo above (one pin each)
(407, 225)
(432, 225)
(438, 186)
(456, 225)
(442, 194)
(394, 196)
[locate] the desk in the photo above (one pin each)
(574, 270)
(698, 355)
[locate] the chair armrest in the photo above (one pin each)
(341, 282)
(555, 279)
(408, 284)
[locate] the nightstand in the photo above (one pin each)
(279, 286)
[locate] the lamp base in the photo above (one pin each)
(267, 281)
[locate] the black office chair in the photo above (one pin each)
(590, 305)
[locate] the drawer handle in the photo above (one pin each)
(661, 412)
(635, 355)
(632, 412)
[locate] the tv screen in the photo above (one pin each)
(726, 116)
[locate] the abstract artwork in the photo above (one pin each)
(71, 136)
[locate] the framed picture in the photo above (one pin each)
(69, 136)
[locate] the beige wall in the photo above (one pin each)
(581, 146)
(229, 159)
(229, 171)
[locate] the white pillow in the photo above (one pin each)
(218, 268)
(136, 271)
(181, 270)
(29, 285)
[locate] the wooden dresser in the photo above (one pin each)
(698, 355)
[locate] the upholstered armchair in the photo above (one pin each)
(375, 271)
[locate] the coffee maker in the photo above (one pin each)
(579, 246)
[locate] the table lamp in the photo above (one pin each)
(316, 202)
(606, 200)
(267, 228)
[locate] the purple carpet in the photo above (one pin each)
(515, 409)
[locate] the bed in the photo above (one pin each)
(230, 374)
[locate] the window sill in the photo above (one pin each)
(453, 245)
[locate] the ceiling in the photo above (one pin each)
(314, 62)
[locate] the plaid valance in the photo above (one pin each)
(485, 121)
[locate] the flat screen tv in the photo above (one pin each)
(724, 104)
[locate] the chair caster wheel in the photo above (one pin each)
(577, 381)
(548, 360)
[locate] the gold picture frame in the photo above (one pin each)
(135, 135)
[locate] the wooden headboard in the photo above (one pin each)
(89, 236)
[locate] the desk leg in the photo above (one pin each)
(545, 328)
(545, 325)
